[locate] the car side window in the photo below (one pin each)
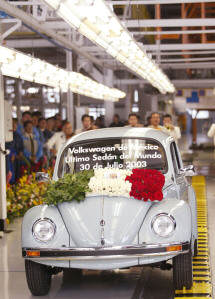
(175, 158)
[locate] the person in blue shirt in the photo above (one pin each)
(26, 116)
(35, 118)
(45, 134)
(13, 159)
(33, 147)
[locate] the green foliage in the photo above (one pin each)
(70, 187)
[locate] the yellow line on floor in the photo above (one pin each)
(201, 267)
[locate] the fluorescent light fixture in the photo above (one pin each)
(19, 65)
(95, 20)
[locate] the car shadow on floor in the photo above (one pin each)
(134, 283)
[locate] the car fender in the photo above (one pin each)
(181, 212)
(193, 206)
(61, 238)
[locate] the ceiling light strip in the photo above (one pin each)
(95, 20)
(19, 65)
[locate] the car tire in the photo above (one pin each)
(195, 247)
(38, 278)
(183, 271)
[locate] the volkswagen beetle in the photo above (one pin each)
(114, 230)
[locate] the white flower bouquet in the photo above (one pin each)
(110, 182)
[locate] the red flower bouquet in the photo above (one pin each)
(147, 184)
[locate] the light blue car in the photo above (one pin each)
(112, 232)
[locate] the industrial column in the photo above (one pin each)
(3, 204)
(203, 15)
(70, 98)
(108, 105)
(18, 98)
(158, 37)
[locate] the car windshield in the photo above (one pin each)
(122, 153)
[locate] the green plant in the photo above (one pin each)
(70, 187)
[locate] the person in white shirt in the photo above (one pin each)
(174, 131)
(86, 124)
(211, 133)
(58, 139)
(154, 122)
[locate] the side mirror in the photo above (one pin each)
(42, 177)
(188, 171)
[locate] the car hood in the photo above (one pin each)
(116, 220)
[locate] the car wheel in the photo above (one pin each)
(183, 271)
(38, 278)
(196, 247)
(71, 274)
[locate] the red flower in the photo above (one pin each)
(147, 184)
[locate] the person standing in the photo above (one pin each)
(50, 125)
(86, 124)
(133, 120)
(33, 148)
(174, 131)
(116, 121)
(148, 121)
(45, 134)
(35, 118)
(59, 138)
(14, 158)
(99, 123)
(58, 125)
(26, 116)
(155, 121)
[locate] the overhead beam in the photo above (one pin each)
(61, 25)
(163, 47)
(170, 22)
(185, 53)
(189, 59)
(178, 83)
(172, 32)
(153, 2)
(192, 65)
(42, 43)
(182, 66)
(41, 27)
(170, 47)
(28, 43)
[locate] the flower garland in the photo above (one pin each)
(141, 184)
(147, 184)
(110, 182)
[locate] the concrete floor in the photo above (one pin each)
(137, 283)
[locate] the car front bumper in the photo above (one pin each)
(145, 250)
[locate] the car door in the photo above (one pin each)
(180, 180)
(184, 189)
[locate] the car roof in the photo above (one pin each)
(119, 132)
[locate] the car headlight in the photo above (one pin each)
(44, 230)
(163, 225)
